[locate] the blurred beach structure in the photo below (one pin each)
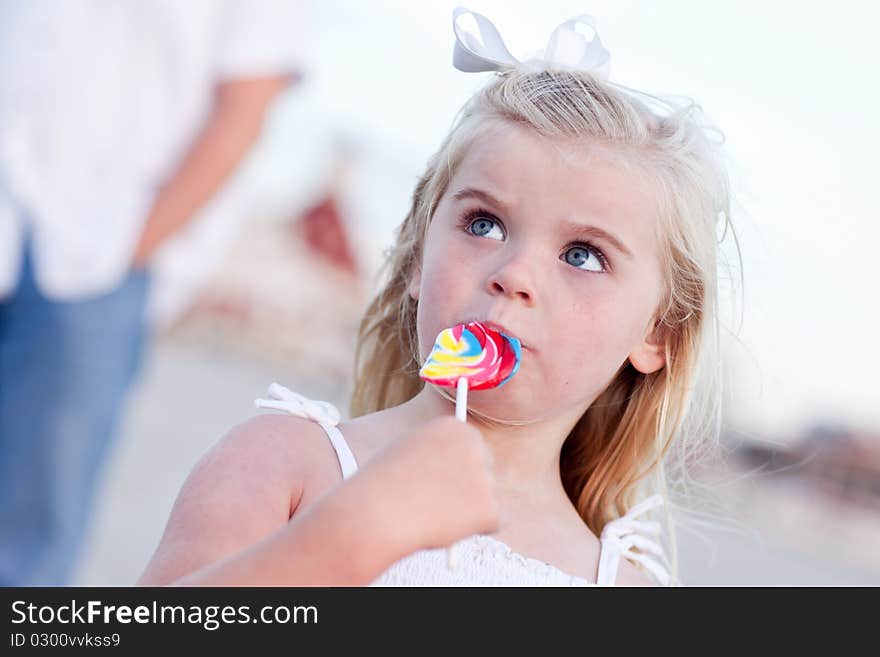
(280, 297)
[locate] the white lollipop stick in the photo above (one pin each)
(460, 415)
(461, 400)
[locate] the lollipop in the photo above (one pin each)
(471, 356)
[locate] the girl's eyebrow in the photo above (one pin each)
(572, 226)
(480, 195)
(599, 233)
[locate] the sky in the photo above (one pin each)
(792, 85)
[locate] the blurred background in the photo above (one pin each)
(268, 281)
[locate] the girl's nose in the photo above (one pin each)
(513, 280)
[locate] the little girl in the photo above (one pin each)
(563, 210)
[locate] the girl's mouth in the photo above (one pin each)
(500, 328)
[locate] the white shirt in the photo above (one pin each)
(98, 103)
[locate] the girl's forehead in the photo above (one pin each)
(576, 180)
(507, 146)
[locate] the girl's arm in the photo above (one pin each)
(231, 523)
(332, 543)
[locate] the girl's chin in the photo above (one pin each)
(501, 404)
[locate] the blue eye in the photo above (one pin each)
(485, 227)
(578, 256)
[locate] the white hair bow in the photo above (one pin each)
(479, 47)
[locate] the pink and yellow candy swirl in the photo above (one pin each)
(486, 358)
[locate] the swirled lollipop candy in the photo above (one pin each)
(474, 353)
(471, 356)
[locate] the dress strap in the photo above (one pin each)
(619, 537)
(324, 413)
(282, 399)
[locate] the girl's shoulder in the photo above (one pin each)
(246, 486)
(302, 437)
(289, 448)
(367, 435)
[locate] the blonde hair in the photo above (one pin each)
(619, 450)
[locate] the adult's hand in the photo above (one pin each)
(231, 129)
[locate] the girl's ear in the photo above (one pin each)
(415, 282)
(650, 355)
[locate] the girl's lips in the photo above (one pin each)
(500, 328)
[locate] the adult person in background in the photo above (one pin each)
(118, 122)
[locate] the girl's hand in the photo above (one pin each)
(437, 484)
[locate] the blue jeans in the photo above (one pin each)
(65, 368)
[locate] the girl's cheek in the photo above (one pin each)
(442, 273)
(443, 287)
(465, 250)
(453, 263)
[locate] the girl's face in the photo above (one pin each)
(557, 247)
